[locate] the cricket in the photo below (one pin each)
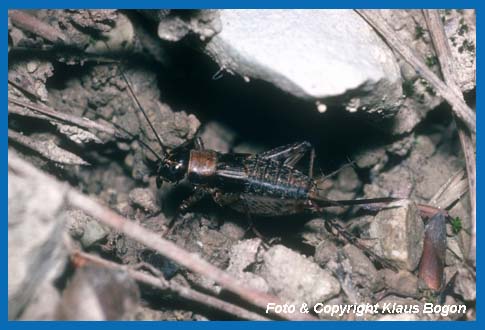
(210, 164)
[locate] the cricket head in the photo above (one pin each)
(172, 167)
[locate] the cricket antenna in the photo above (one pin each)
(125, 78)
(133, 95)
(122, 129)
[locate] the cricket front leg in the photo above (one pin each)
(188, 203)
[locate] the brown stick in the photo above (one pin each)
(32, 24)
(160, 283)
(67, 118)
(460, 108)
(191, 261)
(443, 51)
(47, 149)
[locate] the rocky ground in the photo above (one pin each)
(244, 81)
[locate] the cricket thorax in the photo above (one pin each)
(202, 166)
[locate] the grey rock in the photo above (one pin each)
(431, 167)
(31, 76)
(173, 27)
(403, 283)
(348, 180)
(217, 136)
(398, 181)
(296, 279)
(203, 237)
(460, 28)
(117, 37)
(85, 297)
(314, 233)
(339, 300)
(85, 228)
(43, 303)
(37, 251)
(374, 157)
(364, 273)
(333, 54)
(414, 109)
(326, 251)
(144, 199)
(449, 300)
(398, 317)
(403, 146)
(233, 230)
(398, 233)
(454, 253)
(465, 284)
(243, 255)
(337, 194)
(420, 98)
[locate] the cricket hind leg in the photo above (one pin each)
(301, 150)
(357, 242)
(266, 242)
(334, 173)
(291, 154)
(288, 154)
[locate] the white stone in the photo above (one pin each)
(312, 54)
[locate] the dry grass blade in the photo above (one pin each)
(47, 149)
(32, 24)
(66, 118)
(166, 248)
(162, 284)
(467, 139)
(451, 191)
(455, 99)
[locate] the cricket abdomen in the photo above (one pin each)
(260, 186)
(273, 179)
(260, 205)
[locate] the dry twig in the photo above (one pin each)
(162, 284)
(47, 149)
(467, 139)
(451, 191)
(166, 248)
(63, 117)
(32, 24)
(460, 108)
